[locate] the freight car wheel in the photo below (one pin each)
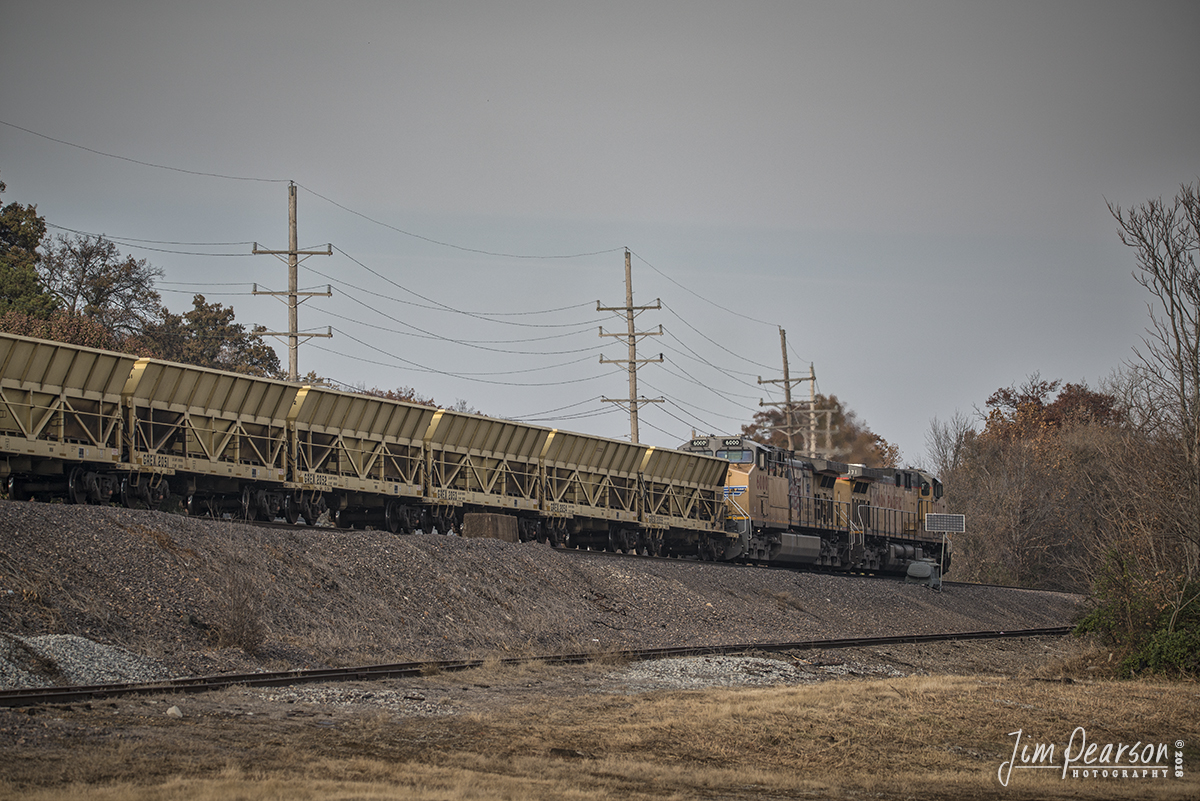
(266, 506)
(201, 507)
(393, 517)
(129, 493)
(16, 492)
(291, 509)
(312, 510)
(137, 491)
(77, 486)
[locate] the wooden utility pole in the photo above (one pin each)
(631, 336)
(789, 424)
(789, 427)
(293, 295)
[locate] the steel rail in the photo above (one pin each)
(73, 694)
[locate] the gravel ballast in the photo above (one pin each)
(195, 596)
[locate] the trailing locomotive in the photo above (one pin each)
(92, 426)
(784, 509)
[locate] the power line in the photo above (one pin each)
(730, 374)
(146, 163)
(697, 294)
(151, 241)
(713, 341)
(422, 368)
(580, 416)
(218, 294)
(424, 334)
(204, 283)
(310, 191)
(132, 243)
(451, 244)
(443, 306)
(692, 406)
(688, 376)
(560, 408)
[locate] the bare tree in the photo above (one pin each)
(946, 444)
(89, 276)
(1166, 369)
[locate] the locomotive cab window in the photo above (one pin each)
(737, 457)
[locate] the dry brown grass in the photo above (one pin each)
(239, 610)
(927, 737)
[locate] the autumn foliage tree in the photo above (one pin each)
(207, 336)
(1027, 483)
(21, 291)
(850, 440)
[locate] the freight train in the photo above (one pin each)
(94, 426)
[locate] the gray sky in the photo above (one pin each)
(914, 191)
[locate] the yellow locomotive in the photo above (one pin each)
(784, 509)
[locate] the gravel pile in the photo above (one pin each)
(66, 659)
(205, 596)
(736, 671)
(405, 702)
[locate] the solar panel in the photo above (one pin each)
(950, 524)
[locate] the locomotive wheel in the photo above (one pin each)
(77, 486)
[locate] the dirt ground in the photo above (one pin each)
(884, 722)
(207, 596)
(931, 721)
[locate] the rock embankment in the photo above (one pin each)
(205, 596)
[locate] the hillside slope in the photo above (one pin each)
(189, 590)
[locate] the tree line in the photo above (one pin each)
(80, 289)
(1097, 491)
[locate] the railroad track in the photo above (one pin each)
(73, 694)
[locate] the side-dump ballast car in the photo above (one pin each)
(92, 426)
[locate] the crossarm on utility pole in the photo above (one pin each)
(631, 336)
(293, 294)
